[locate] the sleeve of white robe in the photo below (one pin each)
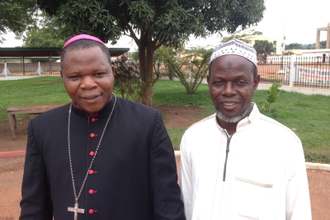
(297, 197)
(185, 178)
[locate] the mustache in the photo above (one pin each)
(234, 119)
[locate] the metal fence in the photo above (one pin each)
(302, 71)
(26, 69)
(312, 72)
(275, 70)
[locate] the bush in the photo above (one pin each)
(127, 79)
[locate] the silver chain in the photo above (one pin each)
(92, 161)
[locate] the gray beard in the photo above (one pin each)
(235, 119)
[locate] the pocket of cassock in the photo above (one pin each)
(254, 198)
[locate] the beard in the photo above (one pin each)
(234, 119)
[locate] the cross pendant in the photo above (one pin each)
(76, 210)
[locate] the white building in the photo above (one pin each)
(322, 54)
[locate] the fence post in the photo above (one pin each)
(293, 69)
(5, 71)
(39, 69)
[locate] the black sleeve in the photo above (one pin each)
(36, 203)
(165, 191)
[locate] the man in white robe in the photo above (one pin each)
(239, 163)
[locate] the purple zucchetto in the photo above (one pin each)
(82, 37)
(235, 47)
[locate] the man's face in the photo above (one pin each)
(232, 85)
(88, 78)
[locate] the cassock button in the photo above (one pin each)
(91, 211)
(91, 153)
(92, 191)
(93, 135)
(92, 171)
(93, 119)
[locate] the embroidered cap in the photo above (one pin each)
(235, 47)
(81, 37)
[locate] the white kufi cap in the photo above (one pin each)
(235, 47)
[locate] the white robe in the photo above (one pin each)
(265, 174)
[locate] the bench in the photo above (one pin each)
(33, 109)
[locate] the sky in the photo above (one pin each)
(296, 19)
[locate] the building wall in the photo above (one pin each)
(277, 41)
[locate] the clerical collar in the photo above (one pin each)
(104, 112)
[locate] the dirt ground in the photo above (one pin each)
(11, 168)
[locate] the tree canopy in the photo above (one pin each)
(243, 35)
(152, 24)
(190, 66)
(263, 47)
(294, 46)
(305, 46)
(16, 16)
(43, 35)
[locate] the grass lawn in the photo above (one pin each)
(33, 91)
(307, 115)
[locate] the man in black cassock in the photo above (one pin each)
(99, 157)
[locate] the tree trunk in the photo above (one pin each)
(146, 72)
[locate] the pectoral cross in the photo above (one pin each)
(76, 210)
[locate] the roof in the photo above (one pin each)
(11, 52)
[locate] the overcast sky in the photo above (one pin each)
(296, 19)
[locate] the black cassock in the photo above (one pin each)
(133, 175)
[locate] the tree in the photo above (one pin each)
(191, 67)
(16, 16)
(305, 46)
(288, 52)
(152, 24)
(310, 46)
(263, 47)
(257, 33)
(42, 37)
(162, 54)
(243, 35)
(323, 44)
(127, 79)
(294, 46)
